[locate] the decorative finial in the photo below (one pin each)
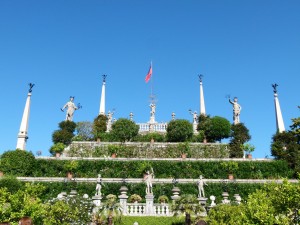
(104, 77)
(275, 88)
(200, 77)
(30, 87)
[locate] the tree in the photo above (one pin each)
(188, 205)
(57, 148)
(203, 125)
(239, 136)
(224, 214)
(17, 162)
(68, 210)
(285, 147)
(179, 130)
(99, 125)
(65, 133)
(25, 202)
(124, 129)
(84, 131)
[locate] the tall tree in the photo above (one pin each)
(124, 129)
(239, 136)
(179, 130)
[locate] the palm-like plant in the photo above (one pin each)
(187, 205)
(110, 211)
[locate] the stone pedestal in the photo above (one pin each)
(149, 204)
(123, 199)
(97, 200)
(175, 192)
(225, 198)
(202, 202)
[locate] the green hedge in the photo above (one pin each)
(148, 220)
(148, 150)
(162, 169)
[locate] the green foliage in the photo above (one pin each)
(69, 210)
(57, 148)
(151, 220)
(67, 125)
(230, 166)
(65, 134)
(248, 148)
(179, 130)
(124, 129)
(187, 205)
(163, 169)
(163, 199)
(239, 136)
(84, 131)
(272, 204)
(227, 215)
(17, 162)
(135, 198)
(11, 184)
(22, 203)
(71, 166)
(149, 150)
(219, 128)
(157, 137)
(110, 211)
(99, 125)
(285, 147)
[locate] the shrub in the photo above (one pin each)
(17, 162)
(179, 130)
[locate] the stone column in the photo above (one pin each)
(279, 118)
(123, 199)
(202, 103)
(102, 100)
(22, 136)
(149, 204)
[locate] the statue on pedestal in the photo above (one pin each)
(148, 179)
(201, 184)
(99, 186)
(71, 107)
(236, 110)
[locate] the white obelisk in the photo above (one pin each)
(279, 118)
(22, 136)
(102, 100)
(202, 103)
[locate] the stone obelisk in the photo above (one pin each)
(22, 136)
(202, 103)
(102, 100)
(279, 119)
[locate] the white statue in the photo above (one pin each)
(152, 112)
(99, 185)
(201, 184)
(71, 107)
(148, 179)
(236, 110)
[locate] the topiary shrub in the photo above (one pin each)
(17, 162)
(179, 130)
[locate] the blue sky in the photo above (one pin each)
(241, 48)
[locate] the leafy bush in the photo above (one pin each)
(124, 129)
(17, 162)
(179, 130)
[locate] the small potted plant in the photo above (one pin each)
(184, 148)
(57, 148)
(163, 199)
(231, 167)
(135, 198)
(248, 148)
(113, 150)
(71, 167)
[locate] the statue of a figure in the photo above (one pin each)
(71, 109)
(148, 179)
(99, 185)
(109, 120)
(201, 184)
(152, 112)
(236, 110)
(275, 88)
(30, 87)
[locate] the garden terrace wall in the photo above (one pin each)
(163, 169)
(147, 150)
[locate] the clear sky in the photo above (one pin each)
(241, 48)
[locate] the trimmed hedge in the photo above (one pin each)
(152, 220)
(162, 169)
(148, 150)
